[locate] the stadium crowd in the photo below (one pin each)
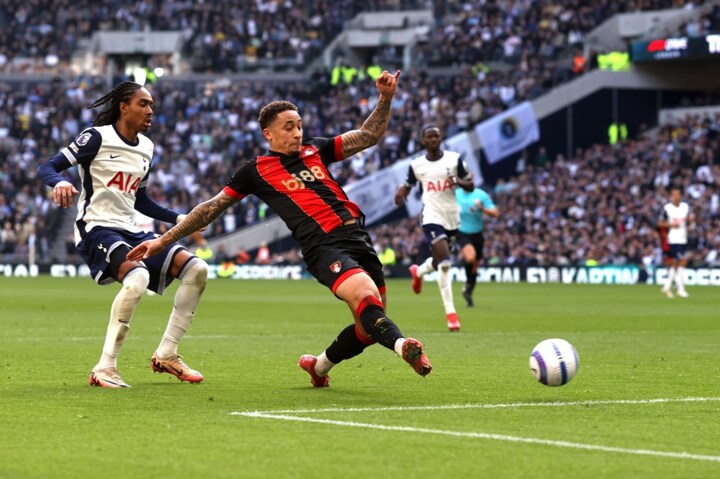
(224, 36)
(203, 130)
(598, 207)
(39, 35)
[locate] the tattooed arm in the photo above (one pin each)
(374, 127)
(200, 216)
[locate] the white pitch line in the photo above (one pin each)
(481, 406)
(496, 437)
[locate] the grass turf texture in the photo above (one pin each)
(634, 344)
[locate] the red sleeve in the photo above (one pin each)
(230, 192)
(338, 148)
(329, 149)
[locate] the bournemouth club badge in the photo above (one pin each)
(336, 267)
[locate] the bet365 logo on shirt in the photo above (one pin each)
(298, 180)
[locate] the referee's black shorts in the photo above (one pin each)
(475, 239)
(345, 251)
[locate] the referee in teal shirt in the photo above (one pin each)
(473, 206)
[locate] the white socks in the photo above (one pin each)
(669, 280)
(187, 297)
(323, 365)
(133, 286)
(425, 268)
(679, 279)
(445, 284)
(398, 346)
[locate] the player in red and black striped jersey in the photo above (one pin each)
(293, 179)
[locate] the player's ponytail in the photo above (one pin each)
(120, 94)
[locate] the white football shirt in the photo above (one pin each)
(679, 214)
(111, 171)
(438, 191)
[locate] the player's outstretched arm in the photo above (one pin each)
(200, 216)
(375, 125)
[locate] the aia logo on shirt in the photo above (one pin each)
(124, 182)
(439, 185)
(336, 267)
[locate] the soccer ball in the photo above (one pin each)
(554, 362)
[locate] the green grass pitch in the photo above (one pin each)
(479, 414)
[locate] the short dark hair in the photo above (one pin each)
(427, 128)
(269, 112)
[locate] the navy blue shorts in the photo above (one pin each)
(677, 251)
(434, 233)
(475, 239)
(99, 244)
(343, 252)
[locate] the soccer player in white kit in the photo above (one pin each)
(676, 217)
(439, 173)
(113, 159)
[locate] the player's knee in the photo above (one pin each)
(136, 282)
(196, 272)
(444, 265)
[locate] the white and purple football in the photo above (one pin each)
(554, 362)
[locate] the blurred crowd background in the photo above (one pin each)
(598, 206)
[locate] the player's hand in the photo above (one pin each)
(144, 250)
(387, 83)
(454, 180)
(400, 195)
(63, 194)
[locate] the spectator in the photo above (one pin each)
(263, 254)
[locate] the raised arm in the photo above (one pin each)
(375, 125)
(200, 216)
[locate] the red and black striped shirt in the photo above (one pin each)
(300, 189)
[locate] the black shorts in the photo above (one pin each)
(475, 239)
(343, 252)
(435, 232)
(677, 251)
(100, 243)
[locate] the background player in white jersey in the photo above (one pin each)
(676, 217)
(470, 237)
(439, 173)
(113, 160)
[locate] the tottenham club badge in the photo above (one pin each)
(336, 267)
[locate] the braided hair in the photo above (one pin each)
(120, 94)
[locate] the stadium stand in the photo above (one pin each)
(502, 54)
(601, 205)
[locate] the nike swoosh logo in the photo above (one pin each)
(113, 157)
